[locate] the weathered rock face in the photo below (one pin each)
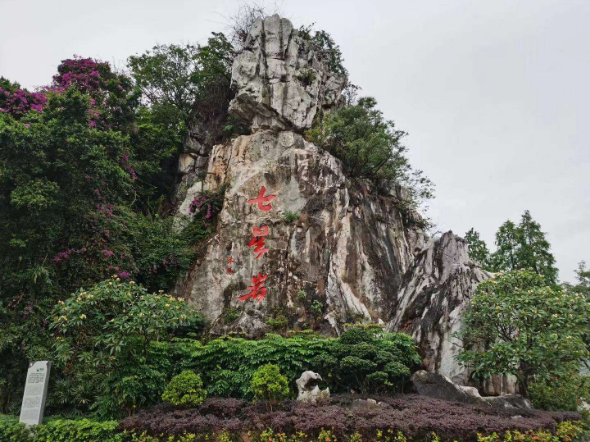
(439, 386)
(337, 250)
(433, 296)
(282, 78)
(348, 249)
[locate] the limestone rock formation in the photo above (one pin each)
(439, 386)
(348, 248)
(338, 251)
(434, 294)
(282, 77)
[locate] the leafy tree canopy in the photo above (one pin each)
(369, 147)
(477, 248)
(518, 324)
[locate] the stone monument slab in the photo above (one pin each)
(33, 405)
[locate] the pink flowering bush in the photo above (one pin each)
(20, 102)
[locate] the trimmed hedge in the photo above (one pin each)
(416, 417)
(63, 430)
(54, 430)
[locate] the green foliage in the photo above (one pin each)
(582, 284)
(269, 384)
(325, 48)
(53, 430)
(78, 430)
(370, 147)
(107, 342)
(290, 217)
(227, 365)
(277, 323)
(185, 389)
(478, 251)
(518, 324)
(12, 430)
(561, 393)
(317, 308)
(183, 83)
(524, 246)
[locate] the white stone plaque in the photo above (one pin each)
(31, 412)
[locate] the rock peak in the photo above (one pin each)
(282, 78)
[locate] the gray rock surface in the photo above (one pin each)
(435, 292)
(282, 78)
(439, 386)
(348, 249)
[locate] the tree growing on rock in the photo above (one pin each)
(519, 324)
(477, 249)
(369, 147)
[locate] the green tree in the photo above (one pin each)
(104, 342)
(522, 247)
(582, 284)
(184, 82)
(164, 75)
(369, 147)
(517, 324)
(534, 251)
(477, 249)
(507, 244)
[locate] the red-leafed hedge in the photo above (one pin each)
(415, 416)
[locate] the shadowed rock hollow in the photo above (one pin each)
(338, 251)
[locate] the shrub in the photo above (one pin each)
(227, 365)
(78, 430)
(416, 417)
(564, 393)
(55, 429)
(269, 384)
(12, 430)
(185, 389)
(111, 339)
(290, 217)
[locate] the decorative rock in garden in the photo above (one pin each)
(441, 387)
(308, 388)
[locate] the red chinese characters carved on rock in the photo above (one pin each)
(258, 241)
(261, 199)
(257, 289)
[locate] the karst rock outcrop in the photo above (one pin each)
(338, 251)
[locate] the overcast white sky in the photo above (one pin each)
(495, 94)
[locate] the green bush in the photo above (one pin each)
(54, 430)
(111, 342)
(185, 389)
(565, 393)
(519, 324)
(12, 430)
(227, 365)
(269, 384)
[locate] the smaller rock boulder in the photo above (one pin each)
(440, 387)
(308, 388)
